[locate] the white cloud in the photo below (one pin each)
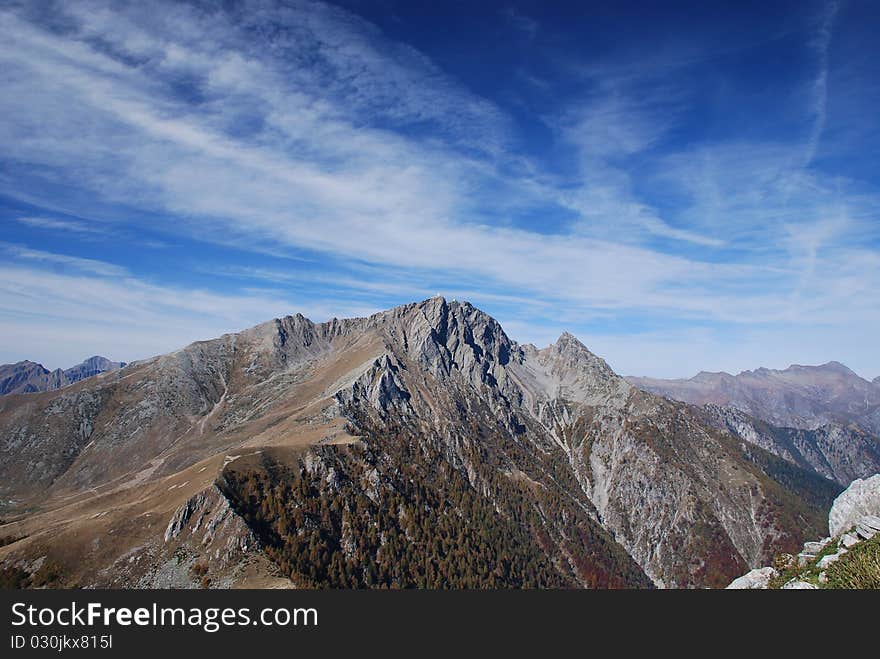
(72, 262)
(822, 44)
(58, 318)
(322, 134)
(396, 209)
(54, 224)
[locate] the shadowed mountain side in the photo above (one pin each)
(29, 377)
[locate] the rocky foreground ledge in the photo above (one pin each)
(848, 558)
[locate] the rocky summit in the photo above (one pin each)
(418, 447)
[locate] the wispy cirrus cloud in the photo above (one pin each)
(85, 309)
(278, 129)
(91, 266)
(822, 44)
(53, 224)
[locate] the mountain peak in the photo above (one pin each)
(836, 367)
(569, 344)
(710, 376)
(568, 337)
(445, 408)
(29, 377)
(569, 350)
(800, 396)
(827, 367)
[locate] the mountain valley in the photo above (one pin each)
(418, 447)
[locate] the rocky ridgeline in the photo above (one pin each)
(835, 451)
(29, 377)
(629, 487)
(853, 520)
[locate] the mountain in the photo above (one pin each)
(798, 397)
(29, 377)
(419, 447)
(841, 453)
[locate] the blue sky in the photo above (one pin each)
(684, 186)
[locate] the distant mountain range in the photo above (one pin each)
(30, 377)
(419, 447)
(804, 397)
(823, 418)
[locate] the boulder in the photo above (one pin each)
(826, 561)
(861, 498)
(865, 532)
(815, 547)
(849, 539)
(756, 579)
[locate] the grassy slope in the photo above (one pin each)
(859, 568)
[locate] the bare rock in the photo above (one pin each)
(827, 561)
(848, 540)
(864, 531)
(861, 498)
(815, 547)
(757, 579)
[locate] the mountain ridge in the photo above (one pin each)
(612, 486)
(804, 397)
(31, 377)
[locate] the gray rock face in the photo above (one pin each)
(868, 526)
(635, 456)
(754, 580)
(870, 522)
(849, 540)
(815, 547)
(209, 514)
(841, 453)
(830, 559)
(382, 386)
(861, 498)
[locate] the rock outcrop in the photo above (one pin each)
(861, 498)
(209, 517)
(756, 579)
